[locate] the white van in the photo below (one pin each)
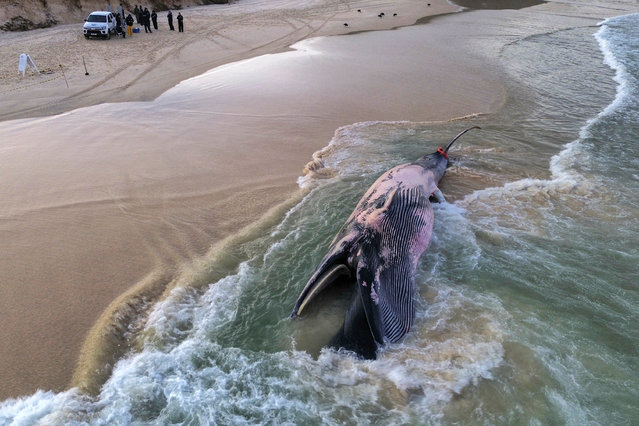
(99, 24)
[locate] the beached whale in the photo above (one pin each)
(377, 251)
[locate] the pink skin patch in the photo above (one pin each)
(405, 176)
(420, 243)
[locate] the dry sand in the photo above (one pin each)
(82, 227)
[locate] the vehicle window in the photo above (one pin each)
(97, 18)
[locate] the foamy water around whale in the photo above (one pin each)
(528, 299)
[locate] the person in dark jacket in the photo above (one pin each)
(146, 20)
(154, 18)
(169, 17)
(180, 19)
(136, 12)
(129, 25)
(118, 25)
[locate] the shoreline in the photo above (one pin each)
(143, 226)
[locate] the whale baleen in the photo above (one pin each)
(377, 250)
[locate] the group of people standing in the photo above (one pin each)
(144, 17)
(180, 20)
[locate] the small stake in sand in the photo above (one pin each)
(65, 77)
(86, 72)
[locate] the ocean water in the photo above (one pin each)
(528, 299)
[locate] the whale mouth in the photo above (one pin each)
(327, 278)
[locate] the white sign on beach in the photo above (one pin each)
(24, 61)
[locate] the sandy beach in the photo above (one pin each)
(97, 226)
(165, 198)
(76, 243)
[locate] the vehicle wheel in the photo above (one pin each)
(86, 36)
(108, 36)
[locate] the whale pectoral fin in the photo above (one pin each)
(368, 292)
(325, 276)
(355, 334)
(437, 197)
(362, 331)
(368, 266)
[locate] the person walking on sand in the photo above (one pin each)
(154, 18)
(180, 19)
(129, 25)
(146, 20)
(169, 17)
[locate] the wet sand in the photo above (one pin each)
(95, 226)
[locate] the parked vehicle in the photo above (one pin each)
(99, 24)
